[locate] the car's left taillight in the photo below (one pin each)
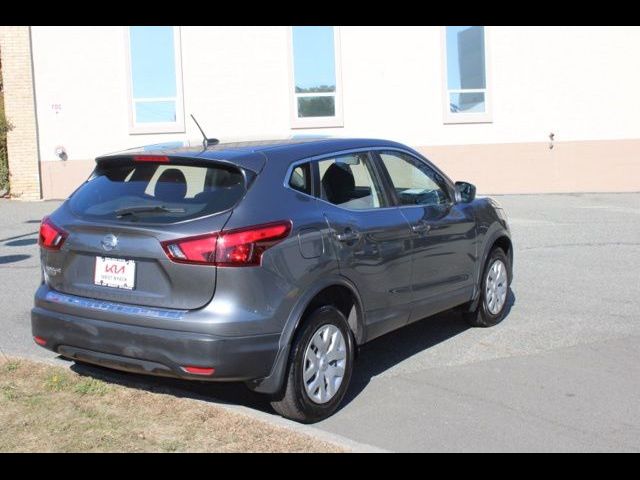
(51, 236)
(241, 247)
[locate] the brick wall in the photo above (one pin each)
(19, 103)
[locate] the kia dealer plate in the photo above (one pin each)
(115, 272)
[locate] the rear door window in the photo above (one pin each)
(350, 182)
(300, 179)
(158, 193)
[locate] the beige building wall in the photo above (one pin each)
(579, 166)
(236, 80)
(19, 103)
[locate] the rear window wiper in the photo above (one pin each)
(121, 212)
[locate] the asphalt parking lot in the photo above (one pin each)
(560, 373)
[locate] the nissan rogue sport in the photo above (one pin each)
(266, 263)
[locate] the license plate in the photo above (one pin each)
(115, 272)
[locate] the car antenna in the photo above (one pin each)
(206, 142)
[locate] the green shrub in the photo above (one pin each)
(5, 126)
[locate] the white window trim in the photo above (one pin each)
(160, 127)
(316, 122)
(450, 117)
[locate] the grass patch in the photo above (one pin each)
(91, 386)
(9, 392)
(46, 408)
(11, 365)
(57, 382)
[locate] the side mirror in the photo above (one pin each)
(465, 192)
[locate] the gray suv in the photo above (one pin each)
(266, 263)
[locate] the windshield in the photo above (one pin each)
(158, 193)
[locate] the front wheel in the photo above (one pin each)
(494, 291)
(320, 366)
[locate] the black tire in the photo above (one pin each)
(294, 402)
(481, 316)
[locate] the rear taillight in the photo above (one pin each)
(245, 246)
(200, 249)
(234, 248)
(51, 237)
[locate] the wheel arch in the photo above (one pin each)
(335, 290)
(345, 299)
(496, 237)
(504, 242)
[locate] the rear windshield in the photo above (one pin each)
(158, 193)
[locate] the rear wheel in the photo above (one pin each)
(320, 366)
(494, 291)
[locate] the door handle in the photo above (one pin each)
(348, 235)
(421, 227)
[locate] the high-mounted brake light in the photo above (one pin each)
(242, 247)
(151, 158)
(51, 237)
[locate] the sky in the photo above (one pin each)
(153, 72)
(313, 56)
(453, 70)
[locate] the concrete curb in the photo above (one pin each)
(309, 430)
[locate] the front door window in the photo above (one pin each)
(414, 182)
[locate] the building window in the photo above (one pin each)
(466, 92)
(155, 80)
(316, 84)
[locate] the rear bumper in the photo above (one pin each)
(155, 351)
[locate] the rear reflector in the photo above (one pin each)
(199, 370)
(151, 158)
(51, 237)
(40, 341)
(242, 247)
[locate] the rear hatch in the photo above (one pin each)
(115, 222)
